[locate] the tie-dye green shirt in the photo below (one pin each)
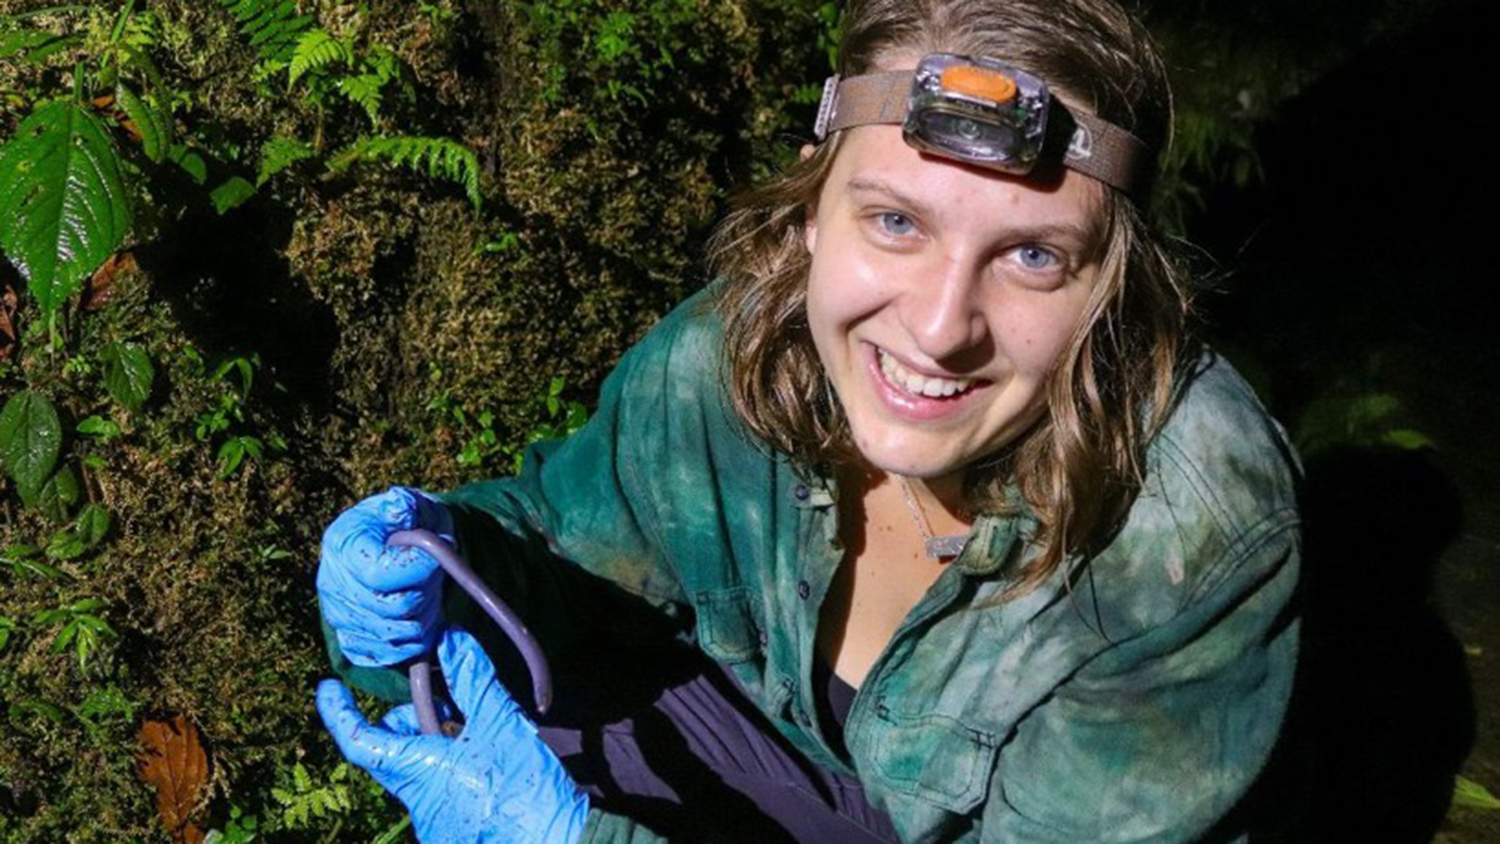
(1136, 704)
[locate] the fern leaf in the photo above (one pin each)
(63, 199)
(438, 158)
(278, 154)
(315, 51)
(364, 91)
(272, 27)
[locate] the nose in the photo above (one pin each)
(941, 310)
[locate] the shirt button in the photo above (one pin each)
(764, 639)
(804, 589)
(800, 492)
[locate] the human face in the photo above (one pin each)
(941, 296)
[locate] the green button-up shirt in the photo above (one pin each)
(1133, 701)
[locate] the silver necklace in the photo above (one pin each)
(936, 547)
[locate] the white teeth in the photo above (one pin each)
(920, 385)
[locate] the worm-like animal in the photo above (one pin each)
(420, 672)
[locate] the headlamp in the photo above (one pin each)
(983, 112)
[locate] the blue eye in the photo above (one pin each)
(1034, 257)
(896, 224)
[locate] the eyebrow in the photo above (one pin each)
(1084, 235)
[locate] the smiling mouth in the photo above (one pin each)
(916, 384)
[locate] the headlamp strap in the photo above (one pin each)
(1096, 147)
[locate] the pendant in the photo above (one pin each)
(938, 547)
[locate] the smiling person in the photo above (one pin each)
(925, 521)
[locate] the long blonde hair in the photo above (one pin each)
(1078, 468)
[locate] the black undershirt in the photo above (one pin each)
(833, 698)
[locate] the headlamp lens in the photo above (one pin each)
(977, 110)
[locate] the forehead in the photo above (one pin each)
(876, 160)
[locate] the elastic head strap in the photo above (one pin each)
(1095, 148)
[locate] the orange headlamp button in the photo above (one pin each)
(978, 82)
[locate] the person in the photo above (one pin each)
(925, 521)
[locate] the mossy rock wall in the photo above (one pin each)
(389, 326)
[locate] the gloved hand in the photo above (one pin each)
(383, 603)
(495, 783)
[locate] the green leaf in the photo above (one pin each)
(191, 163)
(56, 495)
(1408, 439)
(40, 707)
(66, 544)
(18, 557)
(94, 523)
(98, 426)
(315, 50)
(363, 91)
(232, 194)
(64, 199)
(127, 373)
(231, 453)
(1468, 793)
(34, 46)
(90, 528)
(7, 626)
(30, 439)
(278, 154)
(155, 129)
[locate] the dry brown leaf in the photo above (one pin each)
(7, 320)
(172, 760)
(101, 285)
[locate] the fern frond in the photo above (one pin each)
(278, 154)
(438, 158)
(315, 51)
(272, 27)
(364, 91)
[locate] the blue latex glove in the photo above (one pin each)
(383, 603)
(495, 782)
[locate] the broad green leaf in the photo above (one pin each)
(93, 524)
(98, 426)
(231, 453)
(34, 46)
(232, 194)
(66, 544)
(30, 438)
(191, 162)
(1466, 792)
(127, 373)
(56, 495)
(63, 200)
(155, 129)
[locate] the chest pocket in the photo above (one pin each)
(729, 630)
(935, 759)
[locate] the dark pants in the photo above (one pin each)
(694, 760)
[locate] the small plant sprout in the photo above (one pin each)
(81, 627)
